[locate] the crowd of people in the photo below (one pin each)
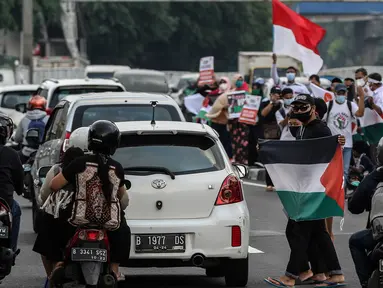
(282, 116)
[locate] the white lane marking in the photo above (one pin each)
(253, 250)
(254, 184)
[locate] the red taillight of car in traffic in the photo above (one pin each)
(230, 192)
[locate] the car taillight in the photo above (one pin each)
(49, 111)
(91, 235)
(235, 236)
(3, 209)
(230, 192)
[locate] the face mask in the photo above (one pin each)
(290, 76)
(340, 98)
(288, 101)
(303, 117)
(360, 82)
(355, 183)
(238, 83)
(223, 87)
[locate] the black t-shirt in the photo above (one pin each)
(11, 174)
(269, 118)
(314, 129)
(79, 165)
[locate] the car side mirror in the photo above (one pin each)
(242, 170)
(21, 107)
(128, 184)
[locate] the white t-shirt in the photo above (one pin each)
(378, 97)
(339, 120)
(286, 135)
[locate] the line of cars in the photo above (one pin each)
(187, 202)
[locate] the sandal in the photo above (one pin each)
(330, 284)
(57, 275)
(277, 283)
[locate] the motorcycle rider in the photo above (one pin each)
(362, 242)
(11, 176)
(103, 140)
(36, 117)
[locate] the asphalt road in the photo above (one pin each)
(269, 250)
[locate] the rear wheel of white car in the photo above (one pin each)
(215, 272)
(237, 272)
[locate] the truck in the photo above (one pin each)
(253, 65)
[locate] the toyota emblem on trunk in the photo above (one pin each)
(158, 184)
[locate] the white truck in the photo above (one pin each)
(258, 64)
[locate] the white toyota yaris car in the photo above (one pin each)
(187, 206)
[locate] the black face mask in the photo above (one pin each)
(303, 117)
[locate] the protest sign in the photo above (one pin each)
(250, 110)
(236, 101)
(206, 70)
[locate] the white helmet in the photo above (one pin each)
(78, 138)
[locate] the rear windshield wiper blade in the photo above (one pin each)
(152, 169)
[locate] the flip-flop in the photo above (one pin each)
(330, 284)
(308, 281)
(279, 285)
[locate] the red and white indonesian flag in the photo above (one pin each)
(298, 37)
(319, 92)
(309, 183)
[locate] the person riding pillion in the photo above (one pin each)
(36, 117)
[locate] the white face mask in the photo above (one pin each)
(223, 86)
(360, 82)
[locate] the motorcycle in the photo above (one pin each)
(7, 255)
(33, 139)
(86, 256)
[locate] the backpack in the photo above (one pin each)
(90, 205)
(331, 103)
(376, 213)
(38, 124)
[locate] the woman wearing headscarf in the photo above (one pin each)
(219, 115)
(239, 132)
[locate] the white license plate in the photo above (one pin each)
(4, 232)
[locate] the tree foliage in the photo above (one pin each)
(165, 35)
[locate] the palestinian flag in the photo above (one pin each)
(372, 126)
(201, 116)
(308, 176)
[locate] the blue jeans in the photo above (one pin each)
(347, 153)
(360, 244)
(16, 215)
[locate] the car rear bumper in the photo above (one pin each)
(210, 236)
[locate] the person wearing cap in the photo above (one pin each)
(291, 73)
(339, 117)
(304, 235)
(267, 119)
(257, 88)
(283, 114)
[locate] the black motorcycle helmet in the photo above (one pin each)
(6, 128)
(103, 137)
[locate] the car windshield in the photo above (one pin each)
(11, 99)
(62, 92)
(86, 115)
(104, 75)
(143, 83)
(180, 153)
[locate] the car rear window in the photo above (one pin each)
(11, 99)
(181, 153)
(143, 83)
(62, 92)
(86, 115)
(103, 75)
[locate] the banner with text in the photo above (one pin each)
(206, 70)
(236, 100)
(250, 110)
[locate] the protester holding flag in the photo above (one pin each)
(283, 114)
(339, 117)
(291, 73)
(307, 210)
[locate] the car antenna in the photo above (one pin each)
(154, 104)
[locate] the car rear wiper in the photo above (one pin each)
(152, 169)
